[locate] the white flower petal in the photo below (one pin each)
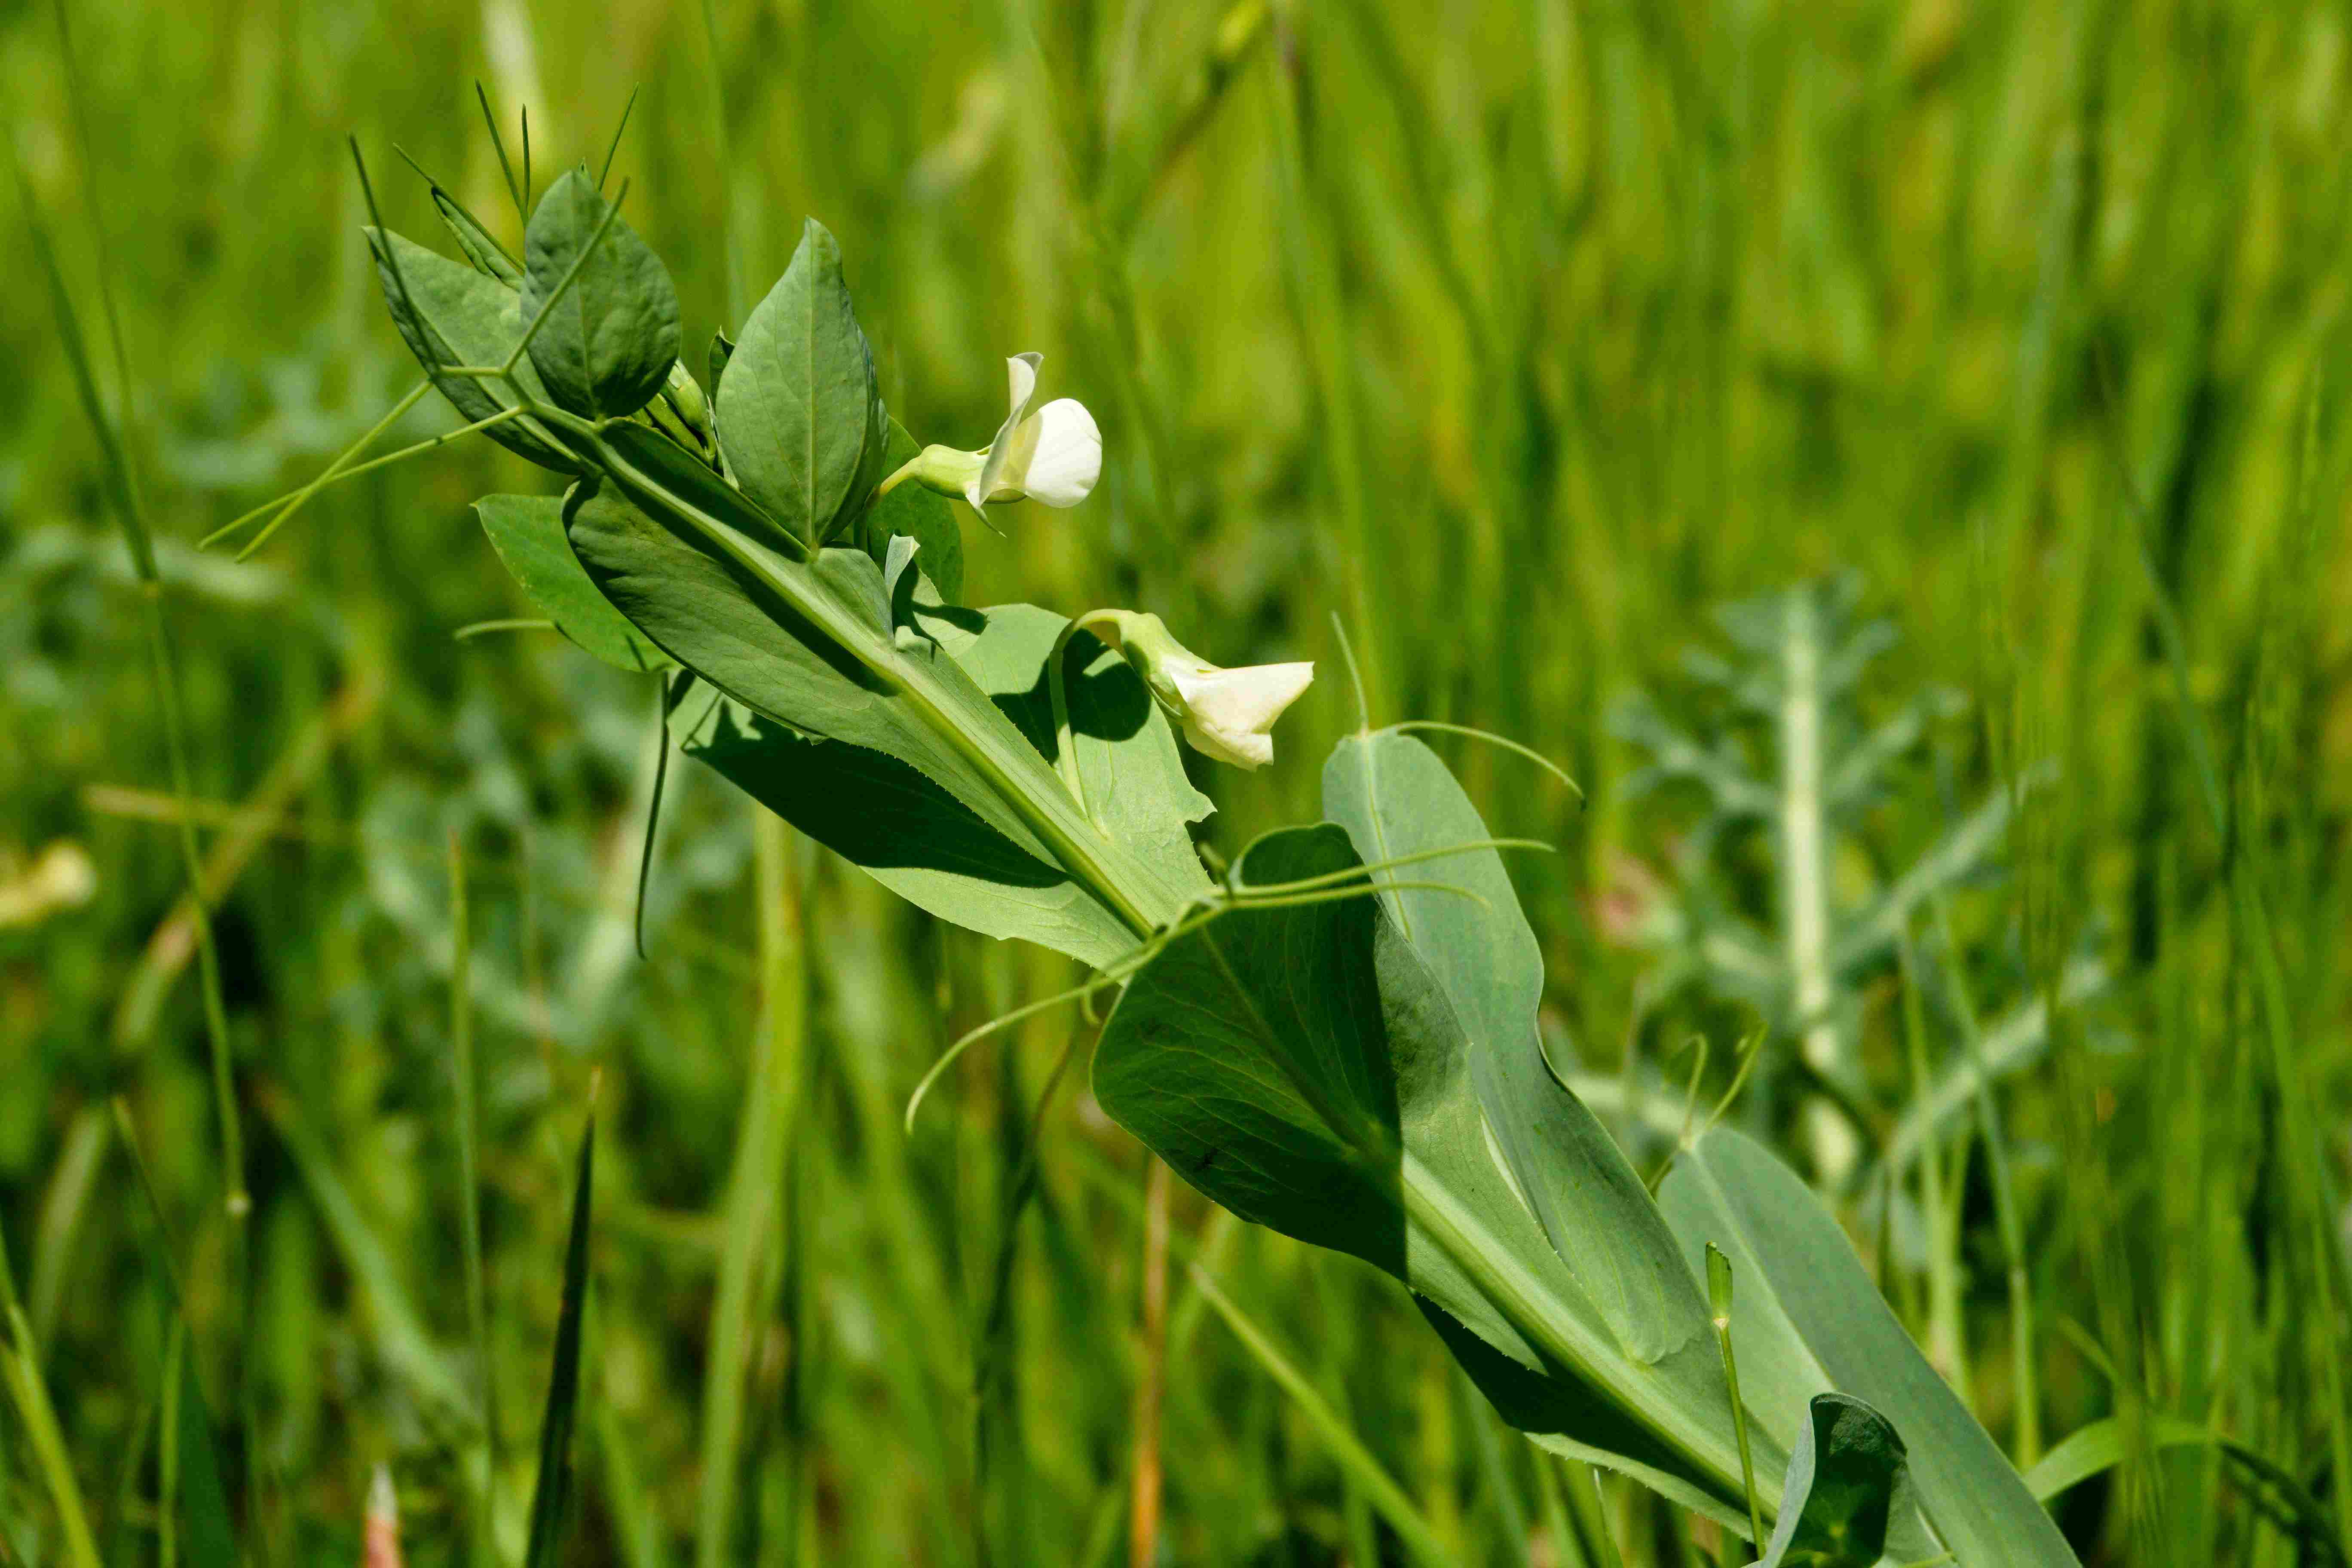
(1229, 713)
(1021, 375)
(1248, 752)
(1064, 453)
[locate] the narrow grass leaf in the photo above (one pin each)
(550, 1500)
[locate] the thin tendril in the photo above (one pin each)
(971, 1037)
(337, 475)
(667, 695)
(1554, 769)
(1746, 1051)
(1121, 969)
(1355, 676)
(473, 629)
(1444, 851)
(353, 450)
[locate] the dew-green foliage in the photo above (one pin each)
(1600, 368)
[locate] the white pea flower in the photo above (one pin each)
(1053, 455)
(1227, 714)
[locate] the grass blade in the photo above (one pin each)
(20, 1371)
(762, 1150)
(201, 1496)
(469, 1202)
(551, 1500)
(1380, 1489)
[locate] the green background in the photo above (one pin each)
(1521, 336)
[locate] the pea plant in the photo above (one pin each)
(1337, 1037)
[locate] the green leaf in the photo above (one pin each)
(2088, 1450)
(474, 237)
(608, 344)
(722, 349)
(481, 245)
(1396, 798)
(810, 642)
(2270, 1490)
(1303, 1067)
(528, 533)
(1847, 1499)
(449, 314)
(918, 839)
(907, 832)
(911, 512)
(1810, 1322)
(797, 410)
(550, 1497)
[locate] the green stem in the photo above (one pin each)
(1083, 849)
(338, 474)
(1560, 1336)
(332, 469)
(167, 1458)
(1718, 1288)
(132, 515)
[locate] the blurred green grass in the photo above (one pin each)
(1520, 336)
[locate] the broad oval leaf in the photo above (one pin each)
(449, 314)
(606, 347)
(527, 533)
(1396, 798)
(799, 412)
(1810, 1322)
(1301, 1065)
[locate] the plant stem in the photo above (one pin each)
(1085, 851)
(1718, 1288)
(1804, 874)
(1143, 1520)
(1558, 1335)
